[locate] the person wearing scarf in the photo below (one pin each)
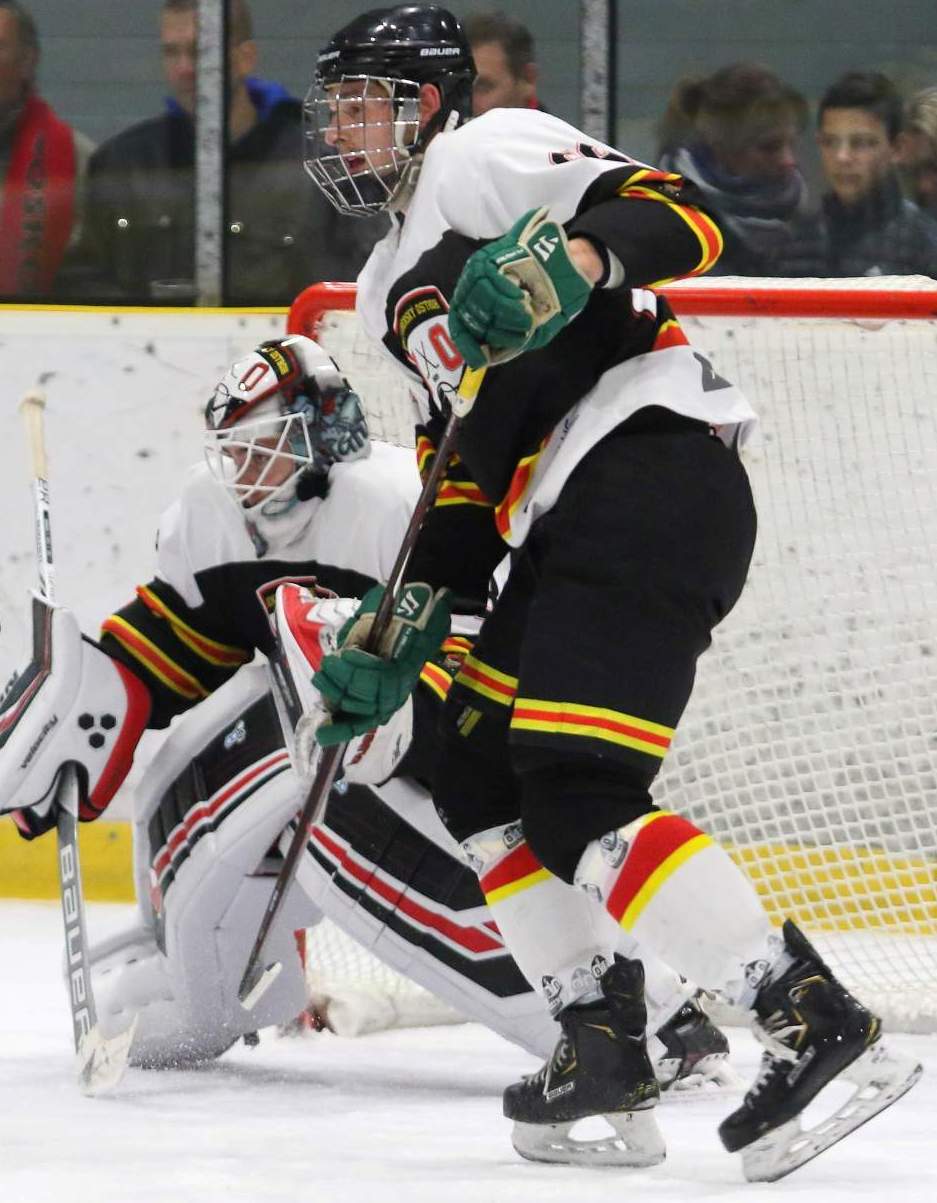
(735, 135)
(42, 162)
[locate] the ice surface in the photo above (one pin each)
(410, 1116)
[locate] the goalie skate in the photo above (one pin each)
(600, 1067)
(814, 1032)
(695, 1056)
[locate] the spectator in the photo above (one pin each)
(43, 163)
(917, 149)
(139, 240)
(735, 134)
(864, 227)
(503, 50)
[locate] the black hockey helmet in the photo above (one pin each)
(422, 42)
(401, 48)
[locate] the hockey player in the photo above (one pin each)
(293, 491)
(603, 451)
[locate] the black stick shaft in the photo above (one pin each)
(331, 757)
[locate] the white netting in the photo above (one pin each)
(356, 993)
(810, 745)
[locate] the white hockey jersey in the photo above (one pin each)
(554, 404)
(206, 611)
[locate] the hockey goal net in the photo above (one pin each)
(810, 745)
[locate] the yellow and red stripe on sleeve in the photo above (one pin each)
(591, 722)
(456, 646)
(664, 842)
(436, 679)
(704, 228)
(670, 334)
(460, 492)
(425, 454)
(155, 661)
(651, 175)
(221, 654)
(509, 503)
(518, 870)
(488, 681)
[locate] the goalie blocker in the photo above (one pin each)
(72, 704)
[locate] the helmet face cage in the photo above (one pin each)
(260, 461)
(282, 414)
(360, 134)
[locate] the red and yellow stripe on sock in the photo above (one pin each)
(516, 871)
(663, 843)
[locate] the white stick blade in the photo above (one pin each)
(102, 1062)
(254, 993)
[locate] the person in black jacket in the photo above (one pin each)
(138, 244)
(864, 227)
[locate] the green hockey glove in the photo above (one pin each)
(516, 293)
(363, 689)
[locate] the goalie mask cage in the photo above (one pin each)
(809, 748)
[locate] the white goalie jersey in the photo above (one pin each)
(356, 528)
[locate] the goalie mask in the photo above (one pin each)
(278, 421)
(362, 114)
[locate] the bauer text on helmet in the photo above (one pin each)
(369, 113)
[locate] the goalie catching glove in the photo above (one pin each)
(364, 689)
(517, 293)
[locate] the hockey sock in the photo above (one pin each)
(561, 940)
(673, 889)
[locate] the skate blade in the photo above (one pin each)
(880, 1078)
(711, 1076)
(636, 1142)
(101, 1061)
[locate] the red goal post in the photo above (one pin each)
(899, 298)
(809, 747)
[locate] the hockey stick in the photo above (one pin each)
(101, 1062)
(256, 980)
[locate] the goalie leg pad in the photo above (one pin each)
(72, 704)
(215, 799)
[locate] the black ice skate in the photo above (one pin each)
(813, 1031)
(600, 1067)
(696, 1053)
